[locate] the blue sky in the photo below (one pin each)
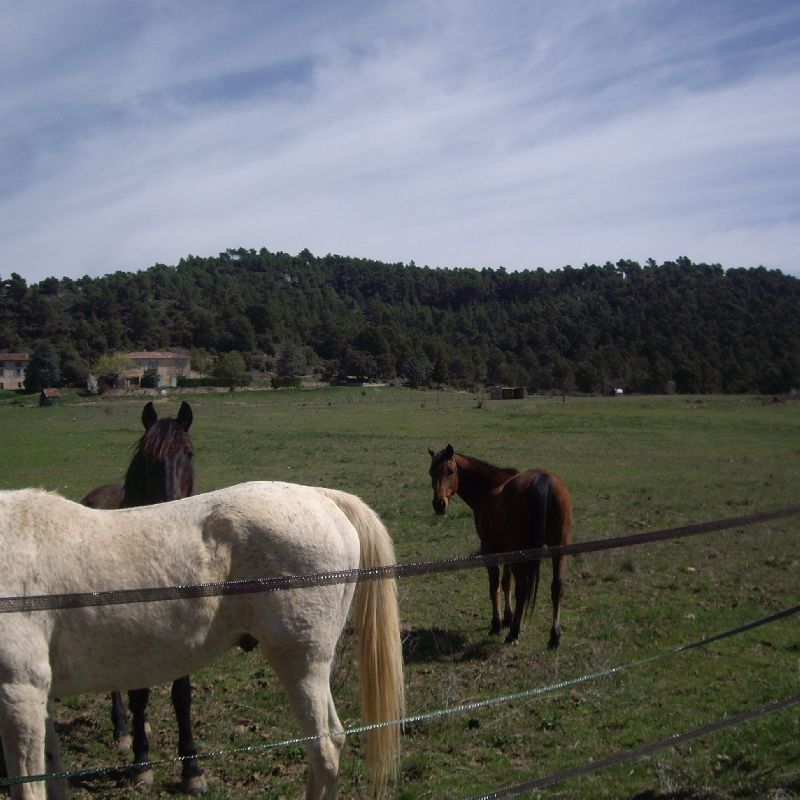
(454, 134)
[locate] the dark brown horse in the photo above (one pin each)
(513, 511)
(161, 469)
(109, 495)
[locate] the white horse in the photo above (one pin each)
(51, 546)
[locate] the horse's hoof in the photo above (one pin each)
(555, 640)
(142, 779)
(195, 784)
(494, 630)
(125, 743)
(511, 639)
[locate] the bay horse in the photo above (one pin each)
(513, 510)
(161, 469)
(53, 546)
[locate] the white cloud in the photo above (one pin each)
(451, 134)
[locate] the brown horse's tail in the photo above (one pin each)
(380, 649)
(541, 490)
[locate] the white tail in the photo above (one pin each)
(380, 648)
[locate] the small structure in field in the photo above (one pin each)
(50, 397)
(508, 392)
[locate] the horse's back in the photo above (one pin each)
(286, 524)
(517, 501)
(109, 496)
(289, 527)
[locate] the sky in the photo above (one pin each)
(451, 133)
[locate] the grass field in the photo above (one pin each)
(632, 464)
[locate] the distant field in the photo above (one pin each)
(632, 464)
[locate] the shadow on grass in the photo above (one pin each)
(787, 791)
(79, 730)
(82, 734)
(425, 645)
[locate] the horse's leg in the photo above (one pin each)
(559, 533)
(57, 788)
(23, 712)
(194, 781)
(307, 687)
(508, 614)
(494, 595)
(141, 774)
(520, 597)
(119, 719)
(557, 595)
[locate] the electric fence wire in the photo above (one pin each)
(478, 705)
(615, 759)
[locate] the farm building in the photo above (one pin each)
(12, 370)
(168, 365)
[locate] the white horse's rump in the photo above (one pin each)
(254, 530)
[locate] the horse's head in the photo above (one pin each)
(162, 467)
(444, 477)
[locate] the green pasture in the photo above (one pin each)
(632, 464)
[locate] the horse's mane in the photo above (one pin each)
(482, 465)
(485, 466)
(161, 439)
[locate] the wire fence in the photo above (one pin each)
(281, 583)
(636, 753)
(47, 602)
(431, 716)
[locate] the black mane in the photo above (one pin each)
(161, 440)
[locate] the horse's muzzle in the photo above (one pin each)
(439, 505)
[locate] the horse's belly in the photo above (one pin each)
(133, 648)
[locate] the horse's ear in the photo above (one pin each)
(449, 452)
(431, 452)
(185, 416)
(149, 416)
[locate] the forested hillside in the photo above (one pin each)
(676, 326)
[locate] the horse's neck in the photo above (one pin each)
(135, 493)
(477, 478)
(137, 489)
(145, 486)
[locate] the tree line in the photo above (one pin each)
(676, 326)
